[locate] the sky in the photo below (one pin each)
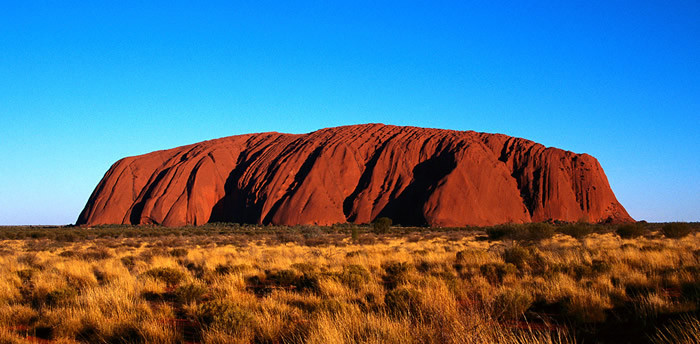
(83, 84)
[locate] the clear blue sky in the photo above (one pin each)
(83, 84)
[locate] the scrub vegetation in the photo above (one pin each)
(226, 283)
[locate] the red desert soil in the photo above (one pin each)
(415, 176)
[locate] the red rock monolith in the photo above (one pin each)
(415, 176)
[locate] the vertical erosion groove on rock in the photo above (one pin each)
(415, 176)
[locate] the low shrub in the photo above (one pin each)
(222, 269)
(507, 231)
(126, 333)
(354, 233)
(26, 274)
(67, 254)
(529, 232)
(403, 301)
(396, 273)
(190, 292)
(60, 296)
(96, 254)
(577, 230)
(170, 276)
(286, 279)
(538, 231)
(630, 231)
(283, 277)
(332, 306)
(381, 225)
(517, 256)
(585, 308)
(128, 261)
(676, 230)
(178, 252)
(510, 304)
(354, 276)
(495, 272)
(601, 266)
(309, 282)
(304, 268)
(224, 316)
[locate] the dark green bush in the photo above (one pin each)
(283, 277)
(170, 276)
(26, 274)
(60, 296)
(630, 231)
(308, 281)
(601, 266)
(96, 254)
(128, 261)
(381, 225)
(507, 231)
(126, 333)
(332, 306)
(577, 230)
(676, 230)
(396, 273)
(225, 316)
(190, 292)
(354, 233)
(403, 301)
(517, 255)
(511, 304)
(528, 232)
(495, 272)
(354, 276)
(178, 252)
(222, 269)
(67, 254)
(538, 231)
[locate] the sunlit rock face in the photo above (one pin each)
(415, 176)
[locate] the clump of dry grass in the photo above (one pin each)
(326, 285)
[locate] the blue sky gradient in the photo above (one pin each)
(84, 84)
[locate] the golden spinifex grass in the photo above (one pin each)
(321, 286)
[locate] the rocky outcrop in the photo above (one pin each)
(415, 176)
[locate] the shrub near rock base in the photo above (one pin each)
(538, 231)
(676, 230)
(630, 231)
(382, 225)
(577, 230)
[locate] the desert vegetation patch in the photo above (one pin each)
(226, 283)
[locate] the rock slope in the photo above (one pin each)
(415, 176)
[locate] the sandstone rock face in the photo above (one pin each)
(415, 176)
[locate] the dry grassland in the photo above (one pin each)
(320, 286)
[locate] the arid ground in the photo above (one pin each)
(225, 283)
